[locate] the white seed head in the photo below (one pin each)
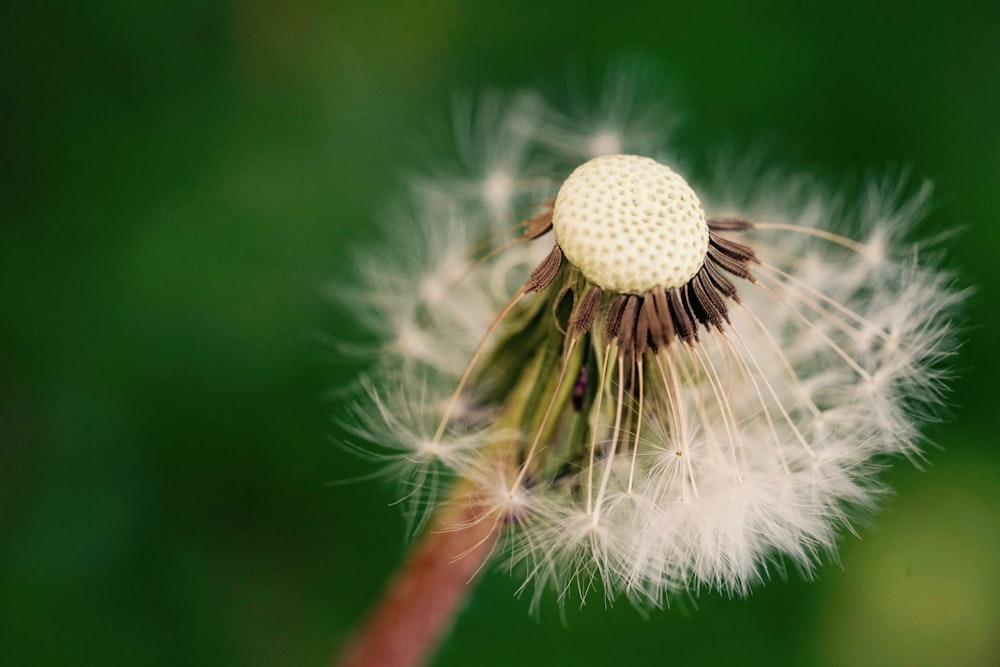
(630, 224)
(720, 435)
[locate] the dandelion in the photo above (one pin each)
(644, 388)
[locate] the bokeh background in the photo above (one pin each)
(182, 180)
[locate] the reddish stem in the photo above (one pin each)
(421, 601)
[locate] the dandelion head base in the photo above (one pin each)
(630, 224)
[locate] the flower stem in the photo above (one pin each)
(420, 603)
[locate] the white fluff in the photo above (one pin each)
(782, 420)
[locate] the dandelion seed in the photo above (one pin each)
(643, 396)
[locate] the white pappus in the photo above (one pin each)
(650, 386)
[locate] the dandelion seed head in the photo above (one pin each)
(630, 224)
(661, 396)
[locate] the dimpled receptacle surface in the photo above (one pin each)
(630, 224)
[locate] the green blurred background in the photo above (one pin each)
(181, 180)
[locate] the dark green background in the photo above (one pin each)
(181, 180)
